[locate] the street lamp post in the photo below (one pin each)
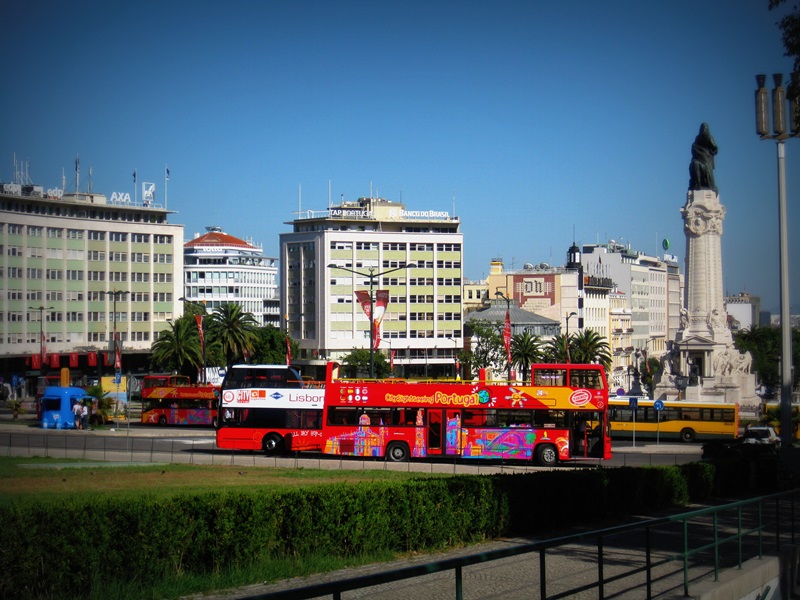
(202, 337)
(779, 134)
(117, 350)
(372, 275)
(506, 330)
(566, 337)
(455, 357)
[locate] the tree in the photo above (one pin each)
(789, 25)
(764, 345)
(525, 350)
(178, 348)
(588, 346)
(234, 330)
(356, 364)
(489, 350)
(555, 350)
(270, 346)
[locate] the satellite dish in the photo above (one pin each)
(665, 244)
(527, 266)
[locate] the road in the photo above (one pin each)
(139, 443)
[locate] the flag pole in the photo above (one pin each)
(166, 181)
(135, 195)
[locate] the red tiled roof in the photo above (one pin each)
(217, 238)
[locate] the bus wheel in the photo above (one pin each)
(397, 452)
(687, 435)
(546, 455)
(214, 423)
(162, 420)
(272, 444)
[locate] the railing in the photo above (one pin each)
(690, 539)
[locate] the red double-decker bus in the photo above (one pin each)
(547, 420)
(173, 400)
(270, 408)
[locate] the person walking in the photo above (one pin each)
(77, 411)
(84, 416)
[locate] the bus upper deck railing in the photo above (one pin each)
(715, 528)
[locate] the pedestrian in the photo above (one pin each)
(76, 410)
(84, 417)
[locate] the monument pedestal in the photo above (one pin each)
(703, 349)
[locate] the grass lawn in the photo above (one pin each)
(25, 479)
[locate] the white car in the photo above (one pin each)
(761, 435)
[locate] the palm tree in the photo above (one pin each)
(525, 350)
(588, 346)
(234, 330)
(178, 348)
(555, 350)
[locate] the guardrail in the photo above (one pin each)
(688, 539)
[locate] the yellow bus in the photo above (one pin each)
(771, 415)
(677, 420)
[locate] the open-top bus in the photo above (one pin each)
(677, 420)
(546, 420)
(269, 408)
(173, 400)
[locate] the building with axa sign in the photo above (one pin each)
(78, 267)
(421, 329)
(222, 269)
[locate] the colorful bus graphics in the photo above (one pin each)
(173, 400)
(547, 421)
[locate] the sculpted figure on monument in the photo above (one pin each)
(701, 169)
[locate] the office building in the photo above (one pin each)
(75, 268)
(422, 324)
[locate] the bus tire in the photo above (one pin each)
(214, 423)
(397, 452)
(687, 435)
(546, 455)
(162, 420)
(272, 444)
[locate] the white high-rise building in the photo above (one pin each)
(422, 325)
(222, 269)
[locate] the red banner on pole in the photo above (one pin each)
(381, 302)
(73, 359)
(391, 361)
(288, 351)
(507, 335)
(36, 361)
(55, 361)
(117, 353)
(92, 358)
(44, 349)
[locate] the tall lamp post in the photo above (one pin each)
(372, 276)
(41, 310)
(566, 337)
(506, 330)
(117, 349)
(200, 331)
(779, 134)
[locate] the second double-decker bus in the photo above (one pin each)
(173, 400)
(677, 420)
(269, 408)
(546, 420)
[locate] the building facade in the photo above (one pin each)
(422, 324)
(77, 267)
(222, 269)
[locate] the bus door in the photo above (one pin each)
(435, 420)
(453, 437)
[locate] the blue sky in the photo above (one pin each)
(539, 122)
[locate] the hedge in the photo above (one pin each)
(63, 550)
